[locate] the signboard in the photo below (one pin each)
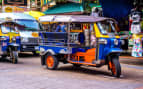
(76, 1)
(15, 2)
(14, 9)
(8, 9)
(19, 9)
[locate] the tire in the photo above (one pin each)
(76, 65)
(14, 57)
(4, 56)
(42, 60)
(51, 62)
(115, 67)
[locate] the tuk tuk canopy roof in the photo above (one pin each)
(15, 16)
(70, 18)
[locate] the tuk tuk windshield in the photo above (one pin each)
(107, 26)
(28, 25)
(6, 28)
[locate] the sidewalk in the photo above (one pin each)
(130, 57)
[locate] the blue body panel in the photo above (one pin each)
(5, 44)
(110, 47)
(56, 48)
(62, 50)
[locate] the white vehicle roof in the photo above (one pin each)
(15, 16)
(70, 18)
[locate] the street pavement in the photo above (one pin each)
(29, 74)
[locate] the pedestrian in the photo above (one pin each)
(95, 12)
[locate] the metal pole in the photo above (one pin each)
(68, 42)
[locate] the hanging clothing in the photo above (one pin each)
(135, 25)
(137, 46)
(93, 40)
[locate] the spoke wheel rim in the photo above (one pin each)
(50, 61)
(113, 69)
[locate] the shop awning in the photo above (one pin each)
(94, 5)
(65, 8)
(35, 14)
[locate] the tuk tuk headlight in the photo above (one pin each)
(23, 39)
(102, 41)
(42, 49)
(116, 42)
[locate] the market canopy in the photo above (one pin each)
(70, 18)
(65, 8)
(35, 14)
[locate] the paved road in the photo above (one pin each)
(29, 74)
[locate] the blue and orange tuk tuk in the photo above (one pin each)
(86, 41)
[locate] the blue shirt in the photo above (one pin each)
(62, 28)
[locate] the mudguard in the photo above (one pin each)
(113, 50)
(108, 51)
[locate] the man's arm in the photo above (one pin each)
(57, 29)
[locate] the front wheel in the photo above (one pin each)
(51, 62)
(115, 67)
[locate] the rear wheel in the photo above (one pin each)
(51, 62)
(14, 57)
(4, 56)
(115, 67)
(42, 60)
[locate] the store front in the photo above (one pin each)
(18, 5)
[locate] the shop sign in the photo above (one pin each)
(19, 9)
(76, 1)
(8, 9)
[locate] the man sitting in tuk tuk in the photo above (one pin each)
(61, 28)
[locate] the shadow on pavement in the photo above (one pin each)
(5, 60)
(26, 55)
(84, 70)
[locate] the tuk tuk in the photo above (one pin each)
(9, 40)
(28, 31)
(87, 40)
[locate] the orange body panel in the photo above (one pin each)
(88, 56)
